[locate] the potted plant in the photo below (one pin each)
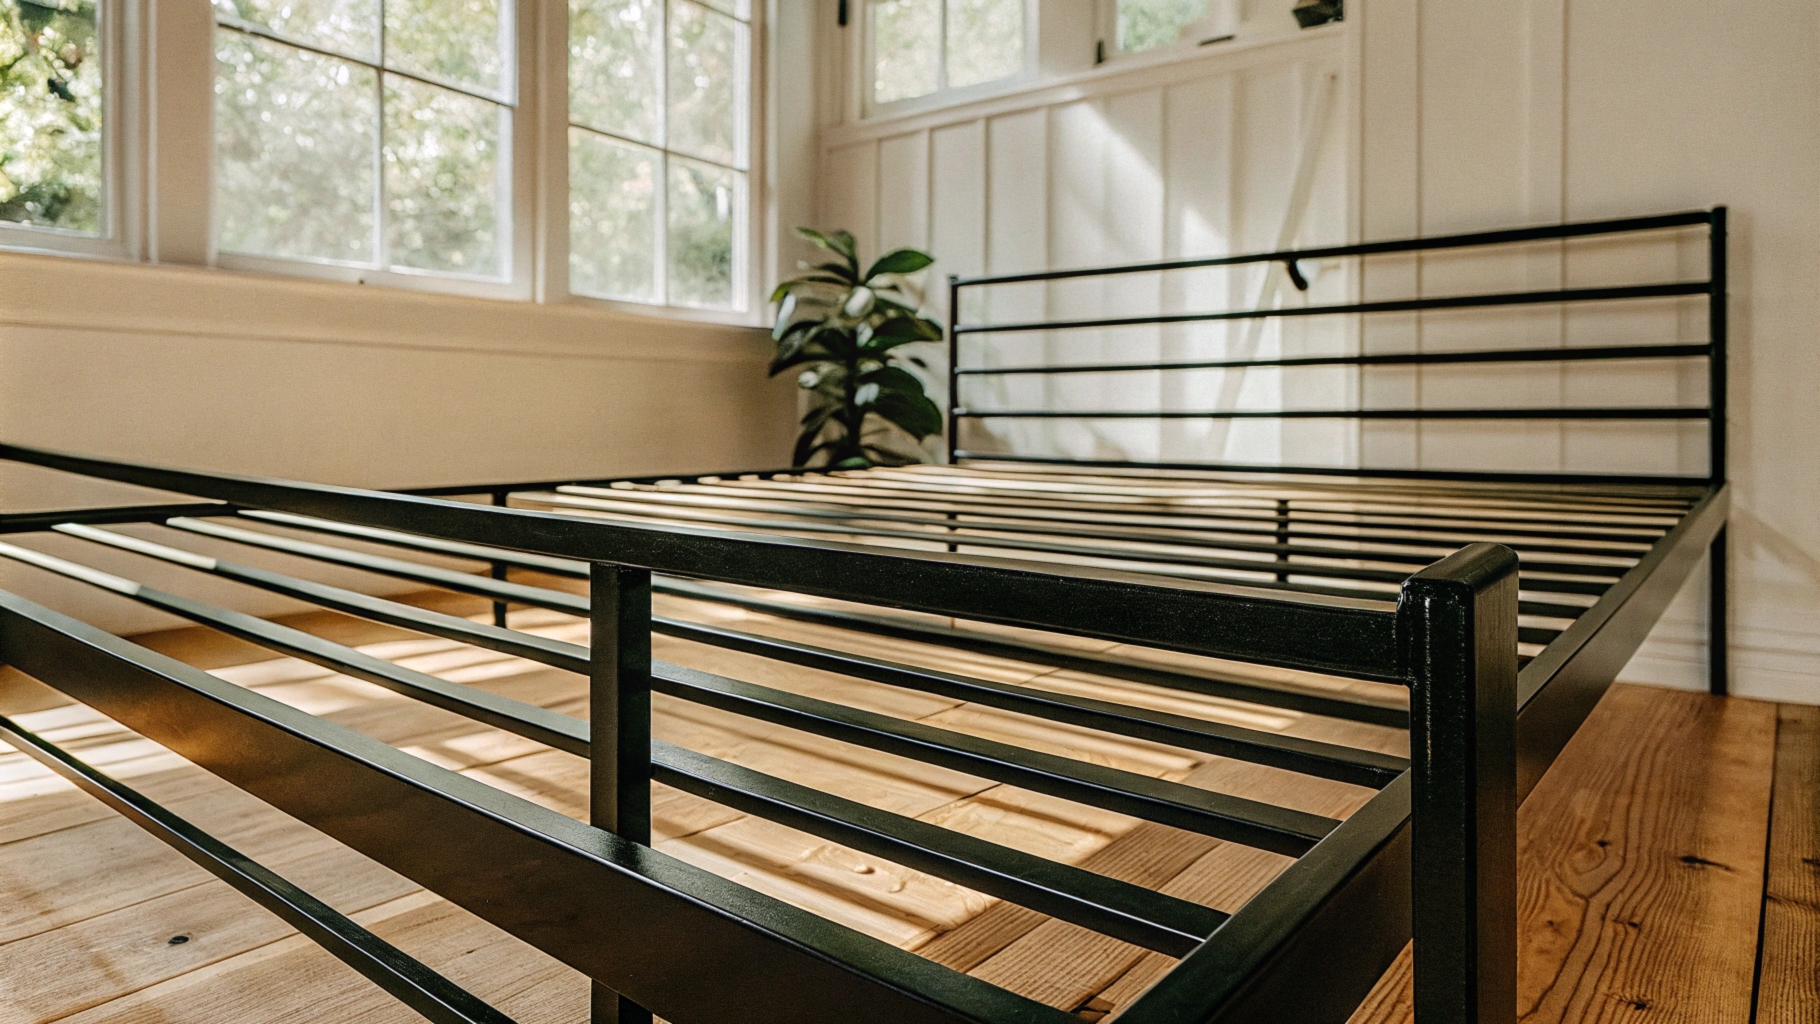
(844, 328)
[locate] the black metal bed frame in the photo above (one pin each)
(1315, 587)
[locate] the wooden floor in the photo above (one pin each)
(1676, 838)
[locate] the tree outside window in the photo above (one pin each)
(921, 47)
(51, 115)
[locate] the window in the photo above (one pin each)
(920, 47)
(1148, 24)
(370, 133)
(414, 143)
(659, 150)
(51, 107)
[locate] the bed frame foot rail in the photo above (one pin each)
(1458, 622)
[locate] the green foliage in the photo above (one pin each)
(50, 114)
(845, 328)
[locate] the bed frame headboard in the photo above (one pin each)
(1713, 350)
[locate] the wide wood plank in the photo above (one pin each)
(1789, 991)
(1640, 867)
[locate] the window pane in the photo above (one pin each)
(1147, 24)
(985, 40)
(741, 9)
(612, 218)
(50, 117)
(442, 179)
(455, 40)
(345, 26)
(616, 61)
(906, 48)
(707, 80)
(295, 138)
(704, 205)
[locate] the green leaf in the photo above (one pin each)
(854, 462)
(785, 311)
(840, 242)
(860, 302)
(847, 275)
(900, 261)
(785, 287)
(844, 244)
(893, 378)
(915, 413)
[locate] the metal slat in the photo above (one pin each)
(1098, 902)
(1265, 826)
(980, 535)
(1506, 355)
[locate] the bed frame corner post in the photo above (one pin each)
(1457, 622)
(1718, 316)
(954, 365)
(619, 715)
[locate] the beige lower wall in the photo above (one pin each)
(353, 385)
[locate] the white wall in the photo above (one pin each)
(344, 384)
(1484, 115)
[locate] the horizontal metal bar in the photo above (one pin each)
(32, 522)
(448, 579)
(1579, 229)
(1018, 650)
(1265, 826)
(1201, 617)
(400, 975)
(529, 870)
(974, 533)
(1506, 355)
(1310, 757)
(478, 552)
(1098, 902)
(1483, 300)
(1362, 472)
(528, 720)
(378, 609)
(1616, 413)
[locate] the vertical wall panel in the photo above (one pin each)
(903, 190)
(850, 195)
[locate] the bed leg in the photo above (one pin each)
(619, 716)
(1718, 638)
(1457, 621)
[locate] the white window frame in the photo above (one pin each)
(863, 57)
(120, 31)
(515, 202)
(749, 307)
(159, 139)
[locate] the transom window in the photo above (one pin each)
(374, 133)
(51, 141)
(920, 47)
(1148, 24)
(658, 151)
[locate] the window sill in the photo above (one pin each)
(198, 304)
